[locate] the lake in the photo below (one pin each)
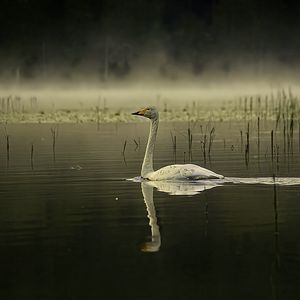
(72, 226)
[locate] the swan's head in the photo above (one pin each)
(148, 112)
(150, 247)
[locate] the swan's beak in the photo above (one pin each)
(140, 112)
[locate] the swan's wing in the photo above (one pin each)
(171, 172)
(187, 171)
(195, 172)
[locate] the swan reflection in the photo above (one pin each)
(154, 244)
(184, 187)
(190, 188)
(172, 188)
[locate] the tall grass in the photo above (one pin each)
(54, 133)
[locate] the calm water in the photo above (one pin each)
(75, 228)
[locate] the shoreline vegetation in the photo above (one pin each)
(282, 107)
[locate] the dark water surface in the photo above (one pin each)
(74, 228)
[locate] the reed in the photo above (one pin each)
(190, 143)
(7, 148)
(98, 117)
(247, 147)
(277, 157)
(272, 145)
(276, 228)
(7, 140)
(54, 133)
(245, 105)
(242, 140)
(124, 148)
(31, 156)
(8, 102)
(291, 134)
(278, 116)
(211, 139)
(203, 143)
(258, 136)
(258, 105)
(165, 107)
(136, 144)
(266, 107)
(174, 146)
(299, 135)
(284, 135)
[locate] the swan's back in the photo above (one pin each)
(181, 172)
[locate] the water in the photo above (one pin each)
(75, 228)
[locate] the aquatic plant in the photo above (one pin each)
(31, 156)
(174, 146)
(54, 133)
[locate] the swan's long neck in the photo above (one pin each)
(147, 166)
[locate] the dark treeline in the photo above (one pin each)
(106, 38)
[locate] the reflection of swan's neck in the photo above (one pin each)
(155, 243)
(147, 166)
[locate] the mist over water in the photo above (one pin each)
(208, 45)
(131, 93)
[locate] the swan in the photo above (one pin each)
(171, 172)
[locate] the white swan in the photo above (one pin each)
(172, 172)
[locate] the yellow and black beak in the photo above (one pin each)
(140, 112)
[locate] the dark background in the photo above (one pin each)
(110, 38)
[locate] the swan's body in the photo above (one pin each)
(172, 172)
(179, 172)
